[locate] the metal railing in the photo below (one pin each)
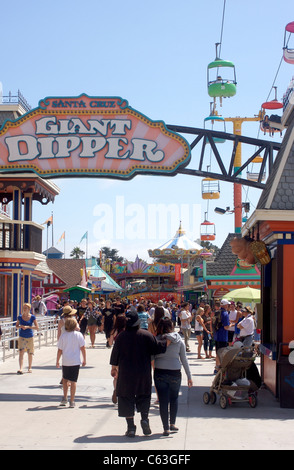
(45, 336)
(16, 99)
(20, 236)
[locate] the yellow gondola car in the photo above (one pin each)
(210, 188)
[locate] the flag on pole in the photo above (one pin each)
(48, 221)
(62, 237)
(84, 236)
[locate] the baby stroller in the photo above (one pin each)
(237, 380)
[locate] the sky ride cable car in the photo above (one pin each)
(221, 78)
(266, 124)
(288, 53)
(207, 230)
(210, 188)
(220, 122)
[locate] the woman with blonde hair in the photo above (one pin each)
(26, 323)
(199, 328)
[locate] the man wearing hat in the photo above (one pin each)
(67, 312)
(246, 327)
(39, 307)
(131, 366)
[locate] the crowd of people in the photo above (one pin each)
(144, 337)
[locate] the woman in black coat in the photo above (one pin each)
(131, 365)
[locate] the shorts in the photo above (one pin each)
(92, 321)
(70, 373)
(198, 332)
(127, 405)
(26, 344)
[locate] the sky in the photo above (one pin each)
(154, 54)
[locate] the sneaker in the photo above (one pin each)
(72, 404)
(165, 432)
(63, 402)
(145, 427)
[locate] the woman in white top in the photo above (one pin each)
(199, 327)
(247, 327)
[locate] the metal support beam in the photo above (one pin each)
(227, 173)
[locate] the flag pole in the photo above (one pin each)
(52, 229)
(87, 246)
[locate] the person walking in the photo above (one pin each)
(82, 320)
(38, 306)
(108, 319)
(167, 374)
(118, 306)
(67, 312)
(208, 342)
(143, 316)
(92, 315)
(26, 323)
(71, 345)
(119, 325)
(186, 318)
(131, 366)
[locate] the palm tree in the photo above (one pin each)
(77, 253)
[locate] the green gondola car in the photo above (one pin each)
(222, 86)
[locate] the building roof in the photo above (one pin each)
(69, 270)
(181, 241)
(107, 283)
(225, 260)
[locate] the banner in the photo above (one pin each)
(90, 136)
(178, 272)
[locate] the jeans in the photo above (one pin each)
(168, 387)
(207, 341)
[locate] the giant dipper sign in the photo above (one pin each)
(90, 136)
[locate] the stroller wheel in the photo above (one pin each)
(206, 398)
(212, 398)
(223, 401)
(252, 400)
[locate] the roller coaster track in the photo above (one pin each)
(205, 137)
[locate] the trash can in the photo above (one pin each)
(285, 377)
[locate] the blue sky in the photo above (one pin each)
(155, 55)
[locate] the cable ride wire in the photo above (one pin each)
(273, 84)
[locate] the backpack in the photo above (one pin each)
(217, 321)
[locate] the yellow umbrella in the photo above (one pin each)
(244, 294)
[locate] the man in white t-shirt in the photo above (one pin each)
(186, 318)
